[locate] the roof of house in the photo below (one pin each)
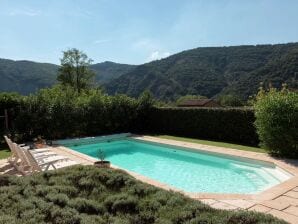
(198, 102)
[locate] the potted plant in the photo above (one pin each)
(39, 142)
(102, 162)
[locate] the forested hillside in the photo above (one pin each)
(210, 71)
(207, 71)
(107, 71)
(27, 76)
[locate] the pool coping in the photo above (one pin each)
(291, 166)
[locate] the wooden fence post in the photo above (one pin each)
(6, 118)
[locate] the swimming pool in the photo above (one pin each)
(186, 169)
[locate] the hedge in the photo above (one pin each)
(234, 125)
(58, 113)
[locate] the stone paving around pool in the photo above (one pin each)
(280, 201)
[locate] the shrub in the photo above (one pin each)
(64, 216)
(87, 206)
(112, 206)
(10, 102)
(123, 203)
(61, 112)
(277, 121)
(58, 199)
(231, 125)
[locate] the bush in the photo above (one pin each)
(120, 205)
(10, 102)
(230, 125)
(61, 112)
(277, 121)
(87, 206)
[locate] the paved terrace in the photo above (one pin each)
(280, 201)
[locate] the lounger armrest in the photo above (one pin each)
(25, 147)
(52, 162)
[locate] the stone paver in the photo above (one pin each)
(225, 206)
(8, 169)
(286, 199)
(260, 208)
(292, 194)
(282, 215)
(278, 205)
(208, 201)
(239, 203)
(295, 189)
(292, 210)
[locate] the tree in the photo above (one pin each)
(74, 70)
(277, 121)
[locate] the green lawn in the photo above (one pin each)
(4, 151)
(213, 143)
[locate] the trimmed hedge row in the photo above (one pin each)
(58, 113)
(230, 125)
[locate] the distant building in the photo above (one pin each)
(199, 103)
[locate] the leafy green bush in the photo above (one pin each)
(229, 125)
(10, 102)
(36, 199)
(277, 121)
(61, 112)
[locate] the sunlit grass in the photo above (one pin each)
(4, 151)
(213, 143)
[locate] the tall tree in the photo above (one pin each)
(74, 70)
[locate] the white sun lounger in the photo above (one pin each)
(38, 153)
(27, 160)
(50, 163)
(16, 158)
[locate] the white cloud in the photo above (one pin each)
(24, 12)
(152, 47)
(144, 44)
(156, 55)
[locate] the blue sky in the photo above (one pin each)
(138, 31)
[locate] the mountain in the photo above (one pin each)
(211, 71)
(207, 71)
(106, 71)
(27, 76)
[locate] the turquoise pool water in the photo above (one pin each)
(185, 169)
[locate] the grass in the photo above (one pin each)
(4, 151)
(213, 143)
(86, 194)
